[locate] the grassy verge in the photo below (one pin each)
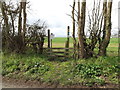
(100, 71)
(93, 71)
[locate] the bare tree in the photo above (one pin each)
(24, 21)
(36, 35)
(99, 28)
(22, 27)
(73, 20)
(107, 27)
(9, 14)
(20, 20)
(95, 25)
(81, 33)
(17, 39)
(6, 24)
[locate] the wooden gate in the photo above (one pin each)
(59, 52)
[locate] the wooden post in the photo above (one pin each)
(51, 43)
(68, 35)
(48, 38)
(67, 42)
(49, 46)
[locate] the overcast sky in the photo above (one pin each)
(54, 12)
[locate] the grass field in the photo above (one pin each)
(91, 72)
(60, 42)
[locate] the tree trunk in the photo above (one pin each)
(105, 17)
(22, 27)
(20, 20)
(7, 28)
(74, 39)
(24, 21)
(20, 34)
(106, 40)
(81, 35)
(40, 45)
(13, 27)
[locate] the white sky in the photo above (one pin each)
(54, 12)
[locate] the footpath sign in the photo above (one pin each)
(52, 36)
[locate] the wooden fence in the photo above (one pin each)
(59, 52)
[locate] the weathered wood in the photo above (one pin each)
(67, 42)
(68, 35)
(58, 48)
(59, 52)
(51, 43)
(57, 56)
(55, 52)
(48, 38)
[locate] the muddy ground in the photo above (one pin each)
(20, 83)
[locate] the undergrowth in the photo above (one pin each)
(93, 71)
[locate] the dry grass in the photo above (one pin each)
(113, 45)
(71, 45)
(58, 45)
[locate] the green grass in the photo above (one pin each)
(60, 42)
(63, 40)
(37, 67)
(114, 40)
(31, 66)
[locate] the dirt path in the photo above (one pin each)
(15, 83)
(8, 85)
(20, 83)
